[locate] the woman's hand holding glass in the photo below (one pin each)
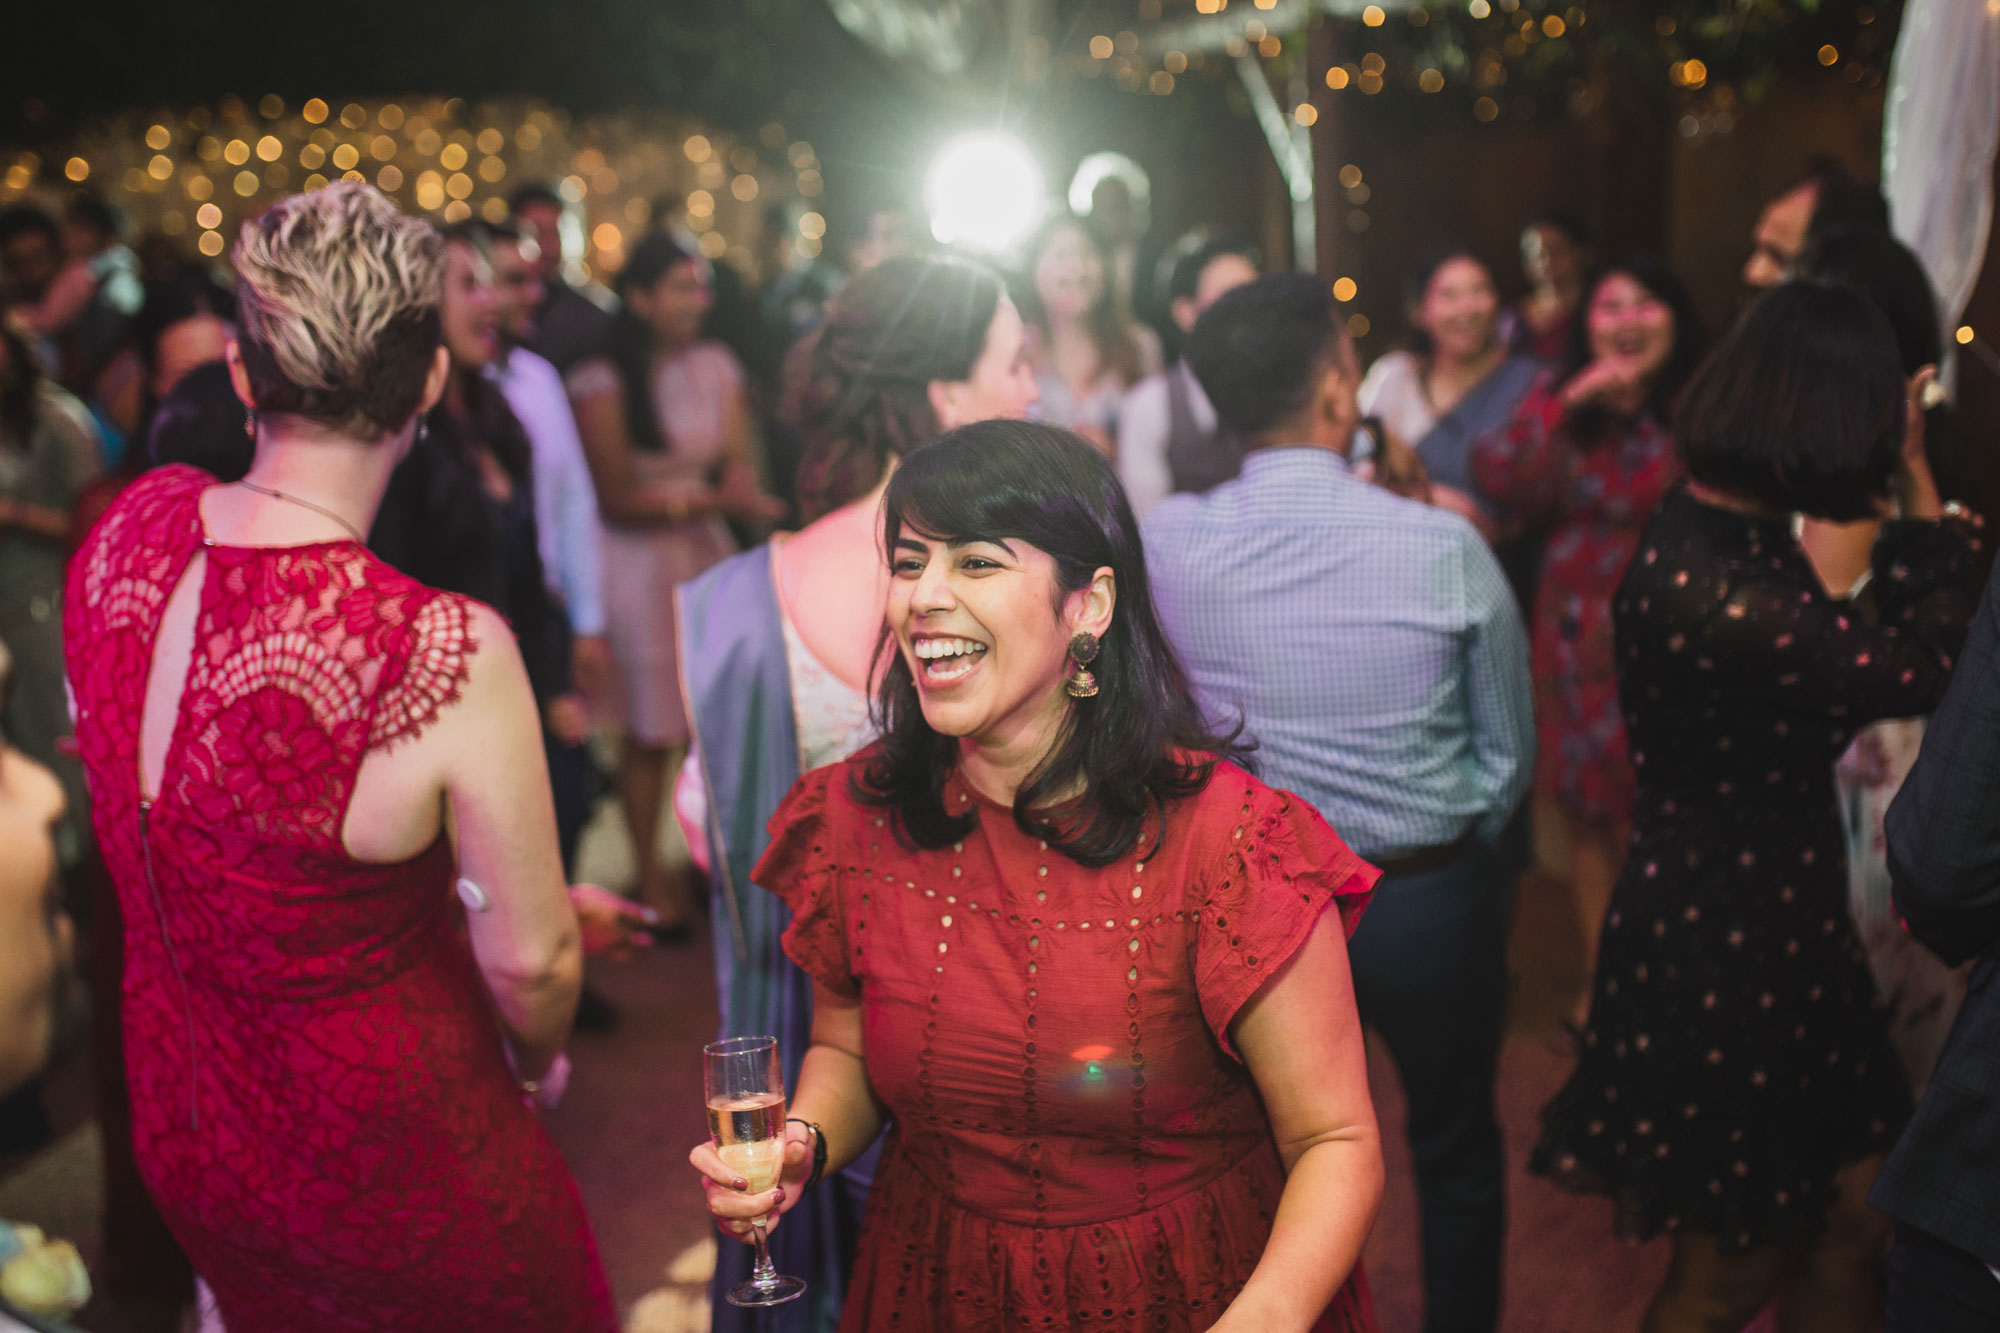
(730, 1200)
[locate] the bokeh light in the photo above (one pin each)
(984, 191)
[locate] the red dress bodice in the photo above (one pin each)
(320, 1103)
(1075, 1145)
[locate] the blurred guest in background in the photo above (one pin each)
(1827, 200)
(31, 255)
(665, 422)
(570, 539)
(574, 318)
(1456, 382)
(87, 311)
(1736, 1086)
(48, 458)
(183, 324)
(1587, 456)
(1555, 254)
(1371, 647)
(38, 992)
(202, 423)
(1168, 437)
(1086, 354)
(779, 648)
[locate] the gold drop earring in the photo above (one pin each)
(1083, 685)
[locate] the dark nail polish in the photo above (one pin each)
(742, 1184)
(780, 1197)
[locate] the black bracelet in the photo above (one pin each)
(819, 1150)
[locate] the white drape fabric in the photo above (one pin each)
(1941, 132)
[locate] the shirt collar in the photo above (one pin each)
(1294, 462)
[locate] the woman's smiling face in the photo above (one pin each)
(985, 629)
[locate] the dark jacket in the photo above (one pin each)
(1944, 857)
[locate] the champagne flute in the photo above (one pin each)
(746, 1117)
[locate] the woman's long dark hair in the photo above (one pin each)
(1126, 754)
(888, 335)
(631, 339)
(1593, 424)
(1116, 346)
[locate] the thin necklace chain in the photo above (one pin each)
(276, 494)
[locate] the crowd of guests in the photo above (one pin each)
(1100, 744)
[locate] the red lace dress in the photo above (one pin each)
(319, 1101)
(1075, 1144)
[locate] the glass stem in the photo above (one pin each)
(763, 1272)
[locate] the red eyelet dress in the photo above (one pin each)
(320, 1106)
(1075, 1144)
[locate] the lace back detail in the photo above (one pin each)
(440, 658)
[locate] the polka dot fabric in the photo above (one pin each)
(320, 1105)
(1075, 1146)
(1736, 1054)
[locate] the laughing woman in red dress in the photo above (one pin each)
(278, 730)
(1095, 972)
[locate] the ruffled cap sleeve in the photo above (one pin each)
(801, 866)
(1262, 898)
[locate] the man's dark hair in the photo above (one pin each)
(1258, 351)
(1800, 406)
(88, 210)
(1192, 255)
(1121, 758)
(535, 192)
(1842, 201)
(28, 220)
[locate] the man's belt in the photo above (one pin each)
(1428, 858)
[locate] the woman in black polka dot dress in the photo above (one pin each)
(1735, 1084)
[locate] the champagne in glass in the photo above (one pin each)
(746, 1117)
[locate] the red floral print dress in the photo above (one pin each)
(320, 1104)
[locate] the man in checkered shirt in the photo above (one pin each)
(1371, 646)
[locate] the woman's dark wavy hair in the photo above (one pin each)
(1417, 285)
(1800, 407)
(1594, 424)
(888, 335)
(630, 342)
(1131, 751)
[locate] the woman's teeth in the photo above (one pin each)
(948, 659)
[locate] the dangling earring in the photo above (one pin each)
(423, 429)
(1082, 685)
(250, 425)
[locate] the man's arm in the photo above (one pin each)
(1498, 687)
(1944, 826)
(1142, 446)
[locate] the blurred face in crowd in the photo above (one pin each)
(888, 236)
(1629, 323)
(1224, 273)
(1112, 209)
(1001, 385)
(675, 305)
(1459, 309)
(470, 314)
(985, 631)
(1780, 235)
(32, 261)
(1069, 273)
(184, 346)
(1550, 258)
(545, 219)
(517, 285)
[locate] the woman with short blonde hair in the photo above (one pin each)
(295, 754)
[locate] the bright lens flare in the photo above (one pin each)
(984, 192)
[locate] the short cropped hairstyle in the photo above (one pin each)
(1259, 350)
(1800, 407)
(337, 307)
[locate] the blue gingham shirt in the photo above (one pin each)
(1370, 644)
